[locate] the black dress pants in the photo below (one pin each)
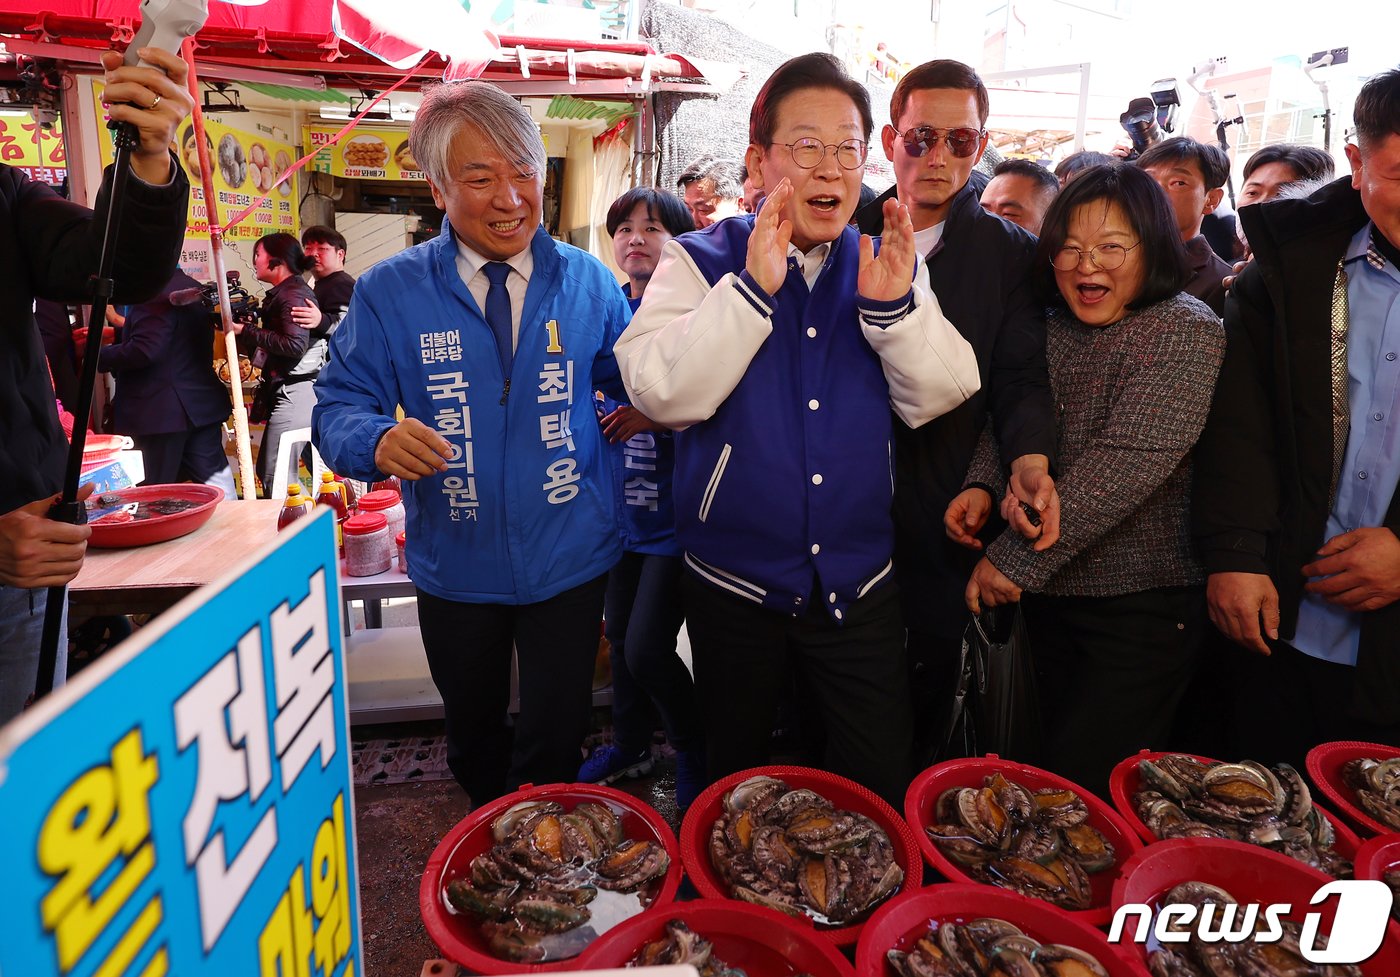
(469, 652)
(745, 655)
(1288, 702)
(643, 615)
(1111, 672)
(197, 454)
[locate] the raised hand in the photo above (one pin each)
(887, 277)
(768, 244)
(153, 99)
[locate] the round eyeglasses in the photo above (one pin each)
(920, 140)
(808, 153)
(1105, 257)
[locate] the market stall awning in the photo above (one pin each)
(300, 37)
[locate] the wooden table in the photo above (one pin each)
(151, 579)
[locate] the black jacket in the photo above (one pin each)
(281, 341)
(164, 367)
(49, 247)
(1264, 462)
(981, 275)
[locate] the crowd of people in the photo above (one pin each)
(828, 430)
(822, 427)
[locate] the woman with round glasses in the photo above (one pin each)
(1115, 610)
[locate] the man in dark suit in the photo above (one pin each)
(1296, 501)
(168, 397)
(979, 266)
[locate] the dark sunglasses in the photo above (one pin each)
(920, 140)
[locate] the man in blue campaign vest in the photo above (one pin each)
(776, 344)
(493, 338)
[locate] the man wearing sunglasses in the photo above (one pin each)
(776, 343)
(980, 269)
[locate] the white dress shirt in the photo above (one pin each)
(469, 265)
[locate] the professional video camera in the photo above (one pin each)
(1148, 120)
(243, 307)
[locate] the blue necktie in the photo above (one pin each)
(498, 312)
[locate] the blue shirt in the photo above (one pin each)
(1371, 465)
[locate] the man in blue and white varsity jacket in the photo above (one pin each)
(493, 338)
(776, 345)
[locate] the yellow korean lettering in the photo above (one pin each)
(552, 327)
(330, 897)
(284, 946)
(132, 941)
(102, 815)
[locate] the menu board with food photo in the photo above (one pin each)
(365, 153)
(244, 166)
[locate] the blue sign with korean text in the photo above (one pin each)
(183, 806)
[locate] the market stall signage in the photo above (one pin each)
(183, 806)
(29, 147)
(245, 166)
(367, 153)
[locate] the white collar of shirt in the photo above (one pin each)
(811, 262)
(469, 265)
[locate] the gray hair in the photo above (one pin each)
(502, 121)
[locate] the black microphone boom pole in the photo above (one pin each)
(178, 19)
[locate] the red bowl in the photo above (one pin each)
(1125, 781)
(157, 529)
(760, 941)
(1250, 874)
(906, 917)
(923, 794)
(845, 794)
(458, 936)
(1378, 856)
(102, 449)
(1325, 768)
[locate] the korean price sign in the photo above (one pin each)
(366, 153)
(183, 806)
(26, 145)
(244, 166)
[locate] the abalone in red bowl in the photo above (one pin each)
(924, 792)
(1126, 780)
(1325, 763)
(459, 935)
(1248, 873)
(759, 941)
(904, 919)
(844, 794)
